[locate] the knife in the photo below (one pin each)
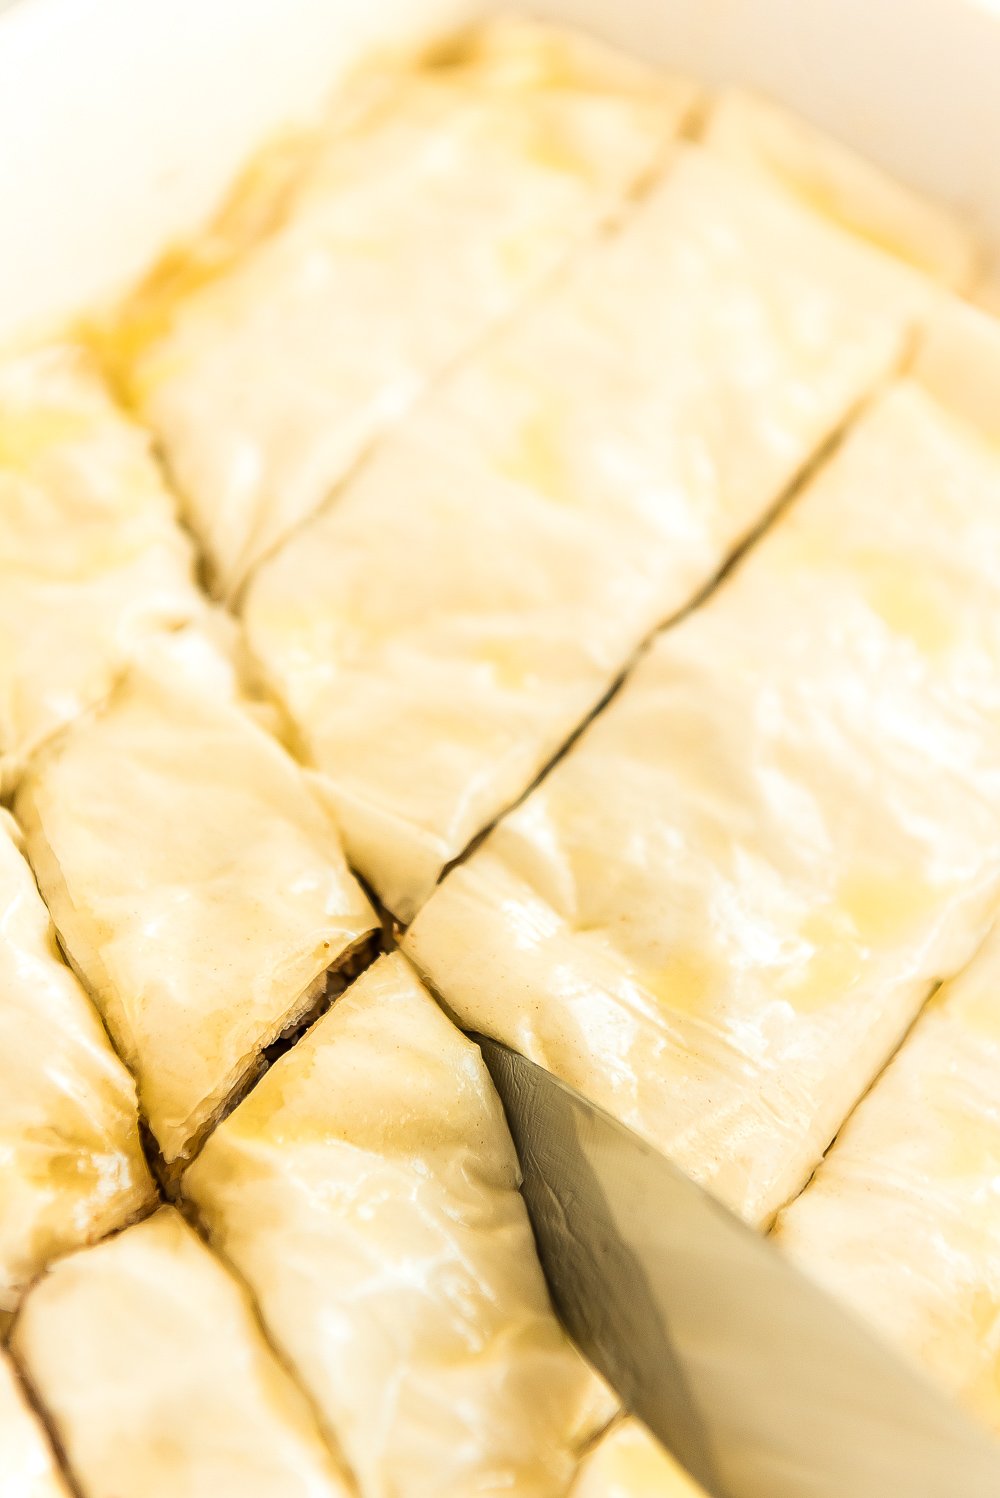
(759, 1382)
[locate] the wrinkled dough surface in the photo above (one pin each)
(70, 1156)
(591, 469)
(151, 1364)
(29, 1466)
(195, 876)
(719, 913)
(902, 1220)
(409, 233)
(367, 1191)
(92, 561)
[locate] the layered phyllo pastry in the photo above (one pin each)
(195, 877)
(902, 1219)
(92, 562)
(151, 1364)
(720, 912)
(447, 621)
(760, 137)
(71, 1162)
(378, 253)
(550, 523)
(367, 1193)
(30, 1468)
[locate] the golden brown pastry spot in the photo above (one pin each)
(26, 435)
(833, 965)
(870, 908)
(909, 599)
(548, 147)
(978, 1005)
(685, 980)
(883, 906)
(537, 459)
(510, 661)
(256, 207)
(978, 1310)
(517, 253)
(969, 1144)
(267, 1114)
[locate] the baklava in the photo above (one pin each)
(92, 562)
(367, 1192)
(902, 1219)
(719, 913)
(195, 877)
(402, 234)
(29, 1468)
(459, 607)
(149, 1359)
(73, 1167)
(472, 399)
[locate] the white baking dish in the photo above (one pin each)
(122, 121)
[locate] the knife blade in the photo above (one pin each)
(755, 1378)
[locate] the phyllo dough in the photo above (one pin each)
(902, 1219)
(91, 558)
(367, 1191)
(628, 1463)
(28, 1468)
(440, 630)
(722, 909)
(71, 1163)
(195, 877)
(148, 1358)
(406, 234)
(761, 137)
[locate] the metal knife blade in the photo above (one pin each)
(759, 1382)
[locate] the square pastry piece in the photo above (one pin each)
(367, 1192)
(149, 1360)
(628, 1463)
(71, 1163)
(195, 876)
(400, 236)
(446, 623)
(28, 1467)
(92, 561)
(902, 1219)
(722, 909)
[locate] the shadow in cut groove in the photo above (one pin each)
(47, 1423)
(880, 1073)
(739, 554)
(192, 1216)
(337, 979)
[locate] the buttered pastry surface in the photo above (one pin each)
(531, 567)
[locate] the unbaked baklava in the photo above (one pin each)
(92, 562)
(195, 877)
(444, 625)
(149, 1358)
(470, 399)
(71, 1164)
(719, 913)
(30, 1468)
(367, 1192)
(400, 236)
